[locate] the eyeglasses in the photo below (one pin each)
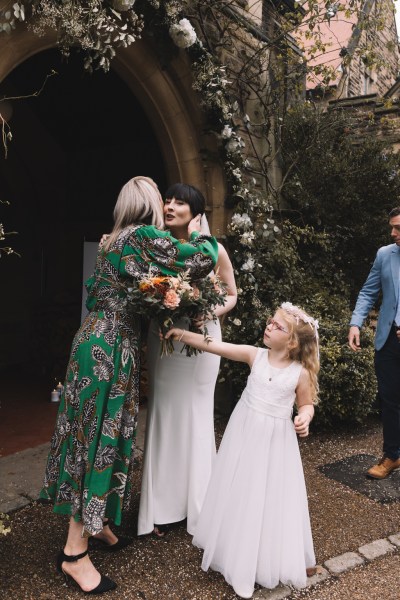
(276, 325)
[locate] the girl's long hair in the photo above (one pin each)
(303, 344)
(139, 201)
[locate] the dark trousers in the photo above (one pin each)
(387, 367)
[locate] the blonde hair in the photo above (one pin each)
(303, 342)
(139, 201)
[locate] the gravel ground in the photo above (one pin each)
(152, 569)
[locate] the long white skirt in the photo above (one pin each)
(254, 525)
(180, 441)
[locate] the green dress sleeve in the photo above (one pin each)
(147, 246)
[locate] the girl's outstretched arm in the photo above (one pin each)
(239, 352)
(304, 405)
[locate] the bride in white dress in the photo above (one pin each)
(254, 525)
(180, 443)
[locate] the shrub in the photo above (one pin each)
(347, 379)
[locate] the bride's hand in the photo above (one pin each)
(104, 238)
(195, 224)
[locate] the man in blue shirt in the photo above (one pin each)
(384, 278)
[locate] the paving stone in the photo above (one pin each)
(320, 575)
(350, 471)
(344, 562)
(13, 504)
(376, 548)
(278, 593)
(395, 539)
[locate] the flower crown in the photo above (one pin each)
(299, 314)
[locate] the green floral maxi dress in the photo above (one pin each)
(92, 448)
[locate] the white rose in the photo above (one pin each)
(183, 34)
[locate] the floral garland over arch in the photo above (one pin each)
(100, 27)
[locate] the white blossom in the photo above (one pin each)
(242, 220)
(19, 11)
(249, 264)
(246, 239)
(237, 174)
(183, 34)
(226, 132)
(237, 322)
(232, 145)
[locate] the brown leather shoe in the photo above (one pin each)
(384, 467)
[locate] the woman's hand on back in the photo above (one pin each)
(103, 239)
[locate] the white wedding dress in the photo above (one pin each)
(254, 525)
(180, 441)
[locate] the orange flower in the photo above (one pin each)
(155, 284)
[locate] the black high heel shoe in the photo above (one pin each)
(106, 584)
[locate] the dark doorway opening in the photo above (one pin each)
(73, 147)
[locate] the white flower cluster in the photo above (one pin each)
(246, 239)
(234, 144)
(227, 131)
(241, 221)
(248, 265)
(183, 34)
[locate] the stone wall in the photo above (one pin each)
(359, 79)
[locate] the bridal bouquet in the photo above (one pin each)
(169, 298)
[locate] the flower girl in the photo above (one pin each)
(254, 525)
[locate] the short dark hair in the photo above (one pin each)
(394, 212)
(190, 195)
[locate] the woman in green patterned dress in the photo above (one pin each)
(92, 449)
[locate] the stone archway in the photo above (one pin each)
(171, 106)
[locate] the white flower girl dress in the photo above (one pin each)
(254, 525)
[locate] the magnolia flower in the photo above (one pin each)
(183, 34)
(226, 132)
(242, 220)
(123, 5)
(171, 299)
